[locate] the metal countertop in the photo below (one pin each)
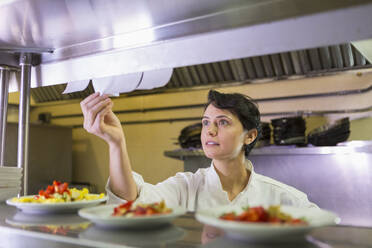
(69, 230)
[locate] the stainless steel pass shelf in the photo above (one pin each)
(342, 148)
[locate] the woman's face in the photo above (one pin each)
(222, 136)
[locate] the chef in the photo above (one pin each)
(230, 129)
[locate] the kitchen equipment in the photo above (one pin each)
(190, 136)
(289, 131)
(330, 134)
(265, 138)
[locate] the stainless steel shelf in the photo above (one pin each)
(181, 154)
(342, 148)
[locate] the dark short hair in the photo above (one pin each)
(241, 106)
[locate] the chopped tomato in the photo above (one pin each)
(274, 220)
(228, 216)
(297, 221)
(56, 183)
(57, 187)
(127, 205)
(63, 188)
(260, 214)
(150, 211)
(141, 209)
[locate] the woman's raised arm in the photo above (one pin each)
(102, 122)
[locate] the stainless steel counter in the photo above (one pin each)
(69, 230)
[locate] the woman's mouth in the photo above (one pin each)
(211, 143)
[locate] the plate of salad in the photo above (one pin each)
(273, 223)
(131, 215)
(57, 197)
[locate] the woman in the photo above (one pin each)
(230, 128)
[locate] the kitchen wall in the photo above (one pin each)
(147, 142)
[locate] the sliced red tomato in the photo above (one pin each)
(56, 183)
(150, 211)
(228, 216)
(141, 210)
(274, 220)
(63, 188)
(126, 205)
(56, 187)
(260, 214)
(297, 221)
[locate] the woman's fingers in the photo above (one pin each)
(90, 111)
(92, 100)
(95, 100)
(93, 111)
(100, 120)
(91, 107)
(97, 125)
(84, 108)
(88, 99)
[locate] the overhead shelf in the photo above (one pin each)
(343, 148)
(131, 36)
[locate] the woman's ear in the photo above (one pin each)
(250, 136)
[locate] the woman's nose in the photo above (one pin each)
(212, 130)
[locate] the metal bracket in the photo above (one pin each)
(9, 68)
(17, 52)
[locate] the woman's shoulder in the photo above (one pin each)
(189, 176)
(201, 172)
(272, 184)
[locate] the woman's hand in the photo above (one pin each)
(100, 120)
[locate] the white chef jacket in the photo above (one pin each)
(203, 189)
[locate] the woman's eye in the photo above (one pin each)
(223, 122)
(205, 122)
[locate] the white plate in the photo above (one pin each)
(102, 216)
(59, 207)
(265, 232)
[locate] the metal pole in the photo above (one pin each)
(4, 88)
(24, 117)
